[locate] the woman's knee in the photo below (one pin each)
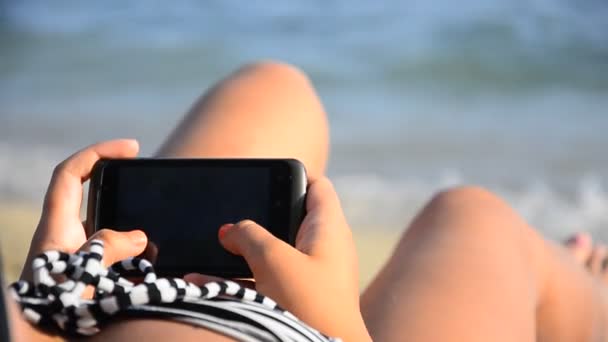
(294, 118)
(274, 92)
(469, 208)
(465, 198)
(281, 72)
(264, 109)
(471, 222)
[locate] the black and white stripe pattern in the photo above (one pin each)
(225, 306)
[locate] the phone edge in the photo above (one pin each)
(298, 198)
(95, 182)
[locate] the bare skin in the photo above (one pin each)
(265, 109)
(468, 268)
(593, 257)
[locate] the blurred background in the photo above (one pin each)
(509, 94)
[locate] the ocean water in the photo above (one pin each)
(421, 95)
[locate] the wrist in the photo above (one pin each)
(353, 330)
(359, 334)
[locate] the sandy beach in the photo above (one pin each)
(18, 221)
(17, 224)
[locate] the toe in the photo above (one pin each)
(596, 261)
(580, 246)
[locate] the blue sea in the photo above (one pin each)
(421, 95)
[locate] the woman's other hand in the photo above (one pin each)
(318, 280)
(60, 227)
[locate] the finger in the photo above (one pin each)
(64, 194)
(324, 221)
(580, 246)
(118, 245)
(322, 196)
(262, 251)
(604, 274)
(202, 279)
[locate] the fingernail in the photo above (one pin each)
(137, 237)
(224, 229)
(578, 239)
(189, 276)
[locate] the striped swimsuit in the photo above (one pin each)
(224, 307)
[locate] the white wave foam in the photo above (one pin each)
(371, 202)
(25, 171)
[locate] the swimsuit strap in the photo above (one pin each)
(223, 306)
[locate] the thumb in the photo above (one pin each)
(118, 245)
(262, 250)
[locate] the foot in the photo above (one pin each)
(593, 257)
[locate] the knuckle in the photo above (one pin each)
(105, 235)
(60, 169)
(262, 246)
(267, 248)
(268, 251)
(244, 224)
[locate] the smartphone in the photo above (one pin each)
(181, 203)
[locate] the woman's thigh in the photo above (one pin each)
(264, 109)
(156, 330)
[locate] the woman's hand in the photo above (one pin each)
(318, 280)
(60, 227)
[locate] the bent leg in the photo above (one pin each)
(470, 269)
(264, 109)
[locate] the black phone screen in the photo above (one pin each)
(182, 208)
